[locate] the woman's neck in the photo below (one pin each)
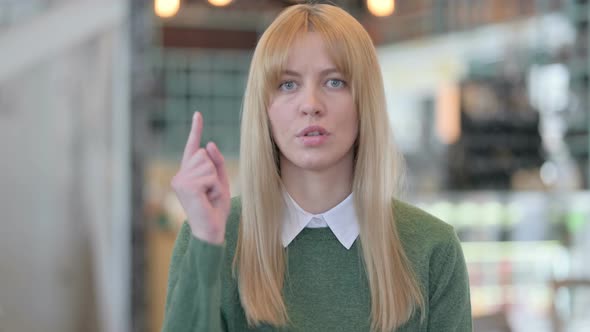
(318, 191)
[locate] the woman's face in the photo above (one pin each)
(312, 113)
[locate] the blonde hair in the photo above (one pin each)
(259, 262)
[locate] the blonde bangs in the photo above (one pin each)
(272, 52)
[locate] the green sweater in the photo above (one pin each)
(326, 288)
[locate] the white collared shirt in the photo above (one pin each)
(341, 219)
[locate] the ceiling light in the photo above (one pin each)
(166, 8)
(381, 7)
(220, 3)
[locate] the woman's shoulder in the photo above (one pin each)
(231, 229)
(233, 221)
(411, 221)
(235, 211)
(418, 228)
(415, 226)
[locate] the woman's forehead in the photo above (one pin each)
(309, 51)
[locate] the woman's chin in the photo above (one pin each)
(313, 164)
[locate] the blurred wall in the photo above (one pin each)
(64, 169)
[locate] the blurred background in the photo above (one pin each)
(489, 100)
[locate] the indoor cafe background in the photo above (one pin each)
(488, 100)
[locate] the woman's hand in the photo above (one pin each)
(202, 186)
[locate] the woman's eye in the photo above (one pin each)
(288, 86)
(336, 83)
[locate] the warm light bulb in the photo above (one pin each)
(220, 3)
(381, 7)
(166, 8)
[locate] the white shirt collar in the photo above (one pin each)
(341, 219)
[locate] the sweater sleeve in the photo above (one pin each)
(193, 299)
(450, 306)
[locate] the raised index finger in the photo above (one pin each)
(194, 138)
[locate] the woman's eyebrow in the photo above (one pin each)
(324, 72)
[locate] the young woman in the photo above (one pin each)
(316, 241)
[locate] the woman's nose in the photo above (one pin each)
(311, 104)
(313, 111)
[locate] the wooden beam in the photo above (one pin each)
(187, 37)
